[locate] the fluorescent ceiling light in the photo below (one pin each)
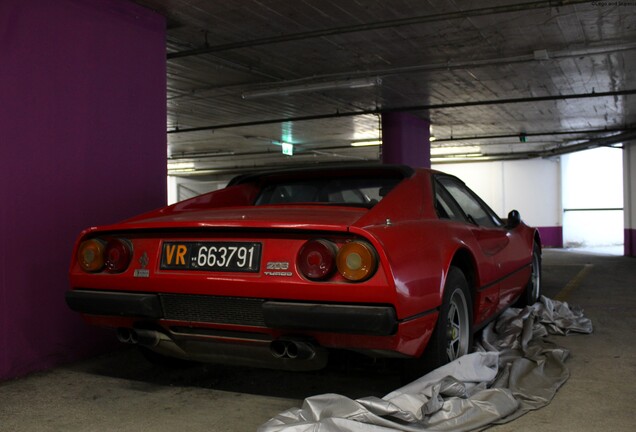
(454, 150)
(461, 158)
(313, 87)
(364, 143)
(180, 165)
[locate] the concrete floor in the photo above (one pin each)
(121, 392)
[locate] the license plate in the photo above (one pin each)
(211, 256)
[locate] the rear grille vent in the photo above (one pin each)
(210, 309)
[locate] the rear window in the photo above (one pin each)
(357, 191)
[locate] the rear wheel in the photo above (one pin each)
(533, 289)
(453, 333)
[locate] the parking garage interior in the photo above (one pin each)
(114, 108)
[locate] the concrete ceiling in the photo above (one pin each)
(245, 76)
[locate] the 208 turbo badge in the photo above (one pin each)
(277, 265)
(143, 271)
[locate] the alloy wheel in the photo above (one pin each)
(458, 326)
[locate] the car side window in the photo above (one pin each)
(445, 207)
(475, 210)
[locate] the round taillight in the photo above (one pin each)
(90, 255)
(356, 261)
(117, 255)
(317, 259)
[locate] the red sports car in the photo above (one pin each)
(281, 266)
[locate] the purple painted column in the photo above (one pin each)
(551, 236)
(82, 132)
(406, 140)
(630, 242)
(629, 197)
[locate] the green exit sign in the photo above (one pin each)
(287, 149)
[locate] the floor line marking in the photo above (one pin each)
(574, 283)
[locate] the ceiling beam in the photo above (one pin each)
(408, 109)
(376, 26)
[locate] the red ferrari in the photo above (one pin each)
(282, 266)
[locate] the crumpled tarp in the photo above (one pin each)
(513, 370)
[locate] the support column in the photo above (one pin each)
(83, 132)
(406, 140)
(629, 202)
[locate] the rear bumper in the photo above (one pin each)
(115, 303)
(332, 318)
(297, 316)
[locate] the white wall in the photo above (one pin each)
(531, 186)
(593, 179)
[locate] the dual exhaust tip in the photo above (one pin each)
(148, 338)
(280, 349)
(291, 349)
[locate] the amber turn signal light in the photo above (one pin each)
(90, 255)
(356, 261)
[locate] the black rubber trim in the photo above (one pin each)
(398, 171)
(501, 279)
(420, 315)
(352, 319)
(114, 303)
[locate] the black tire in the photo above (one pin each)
(532, 292)
(453, 333)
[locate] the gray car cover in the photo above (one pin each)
(513, 370)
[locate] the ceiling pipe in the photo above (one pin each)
(408, 109)
(537, 55)
(600, 142)
(377, 26)
(529, 134)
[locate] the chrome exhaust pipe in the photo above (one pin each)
(278, 348)
(152, 339)
(294, 350)
(300, 350)
(124, 335)
(147, 338)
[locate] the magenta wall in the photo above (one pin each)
(630, 242)
(82, 133)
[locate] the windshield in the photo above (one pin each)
(359, 191)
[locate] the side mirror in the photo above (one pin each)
(514, 219)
